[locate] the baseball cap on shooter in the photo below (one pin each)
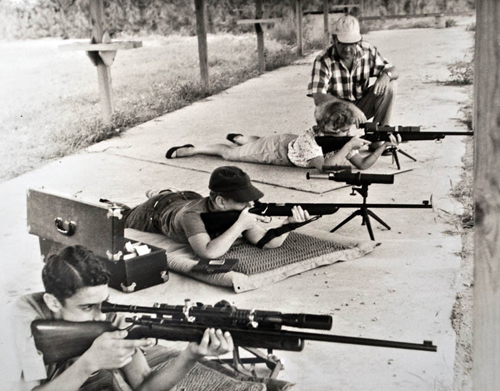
(233, 183)
(347, 29)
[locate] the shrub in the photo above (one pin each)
(468, 114)
(462, 73)
(284, 30)
(450, 23)
(471, 27)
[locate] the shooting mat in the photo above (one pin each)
(301, 252)
(206, 375)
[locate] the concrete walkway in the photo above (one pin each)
(404, 290)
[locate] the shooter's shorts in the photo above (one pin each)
(265, 150)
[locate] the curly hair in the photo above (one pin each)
(339, 113)
(73, 268)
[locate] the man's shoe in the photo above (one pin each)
(153, 192)
(232, 136)
(171, 151)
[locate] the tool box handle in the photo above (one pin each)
(71, 226)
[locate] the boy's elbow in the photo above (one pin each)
(364, 166)
(206, 254)
(276, 242)
(210, 253)
(359, 165)
(272, 245)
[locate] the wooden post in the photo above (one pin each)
(102, 53)
(260, 37)
(326, 10)
(100, 35)
(360, 14)
(487, 198)
(298, 9)
(202, 42)
(258, 22)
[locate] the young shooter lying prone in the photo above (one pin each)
(76, 284)
(332, 118)
(177, 214)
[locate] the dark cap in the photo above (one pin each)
(233, 183)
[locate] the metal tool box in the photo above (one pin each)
(61, 221)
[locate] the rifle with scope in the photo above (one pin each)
(60, 340)
(375, 132)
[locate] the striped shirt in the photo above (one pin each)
(330, 76)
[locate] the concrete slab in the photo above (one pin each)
(404, 290)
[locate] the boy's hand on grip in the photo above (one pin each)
(213, 343)
(249, 220)
(111, 351)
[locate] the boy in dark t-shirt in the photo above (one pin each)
(176, 214)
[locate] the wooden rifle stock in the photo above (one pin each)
(61, 340)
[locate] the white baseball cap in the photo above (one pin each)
(347, 29)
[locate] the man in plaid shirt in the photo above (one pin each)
(343, 71)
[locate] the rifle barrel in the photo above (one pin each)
(280, 340)
(423, 205)
(426, 345)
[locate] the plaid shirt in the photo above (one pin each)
(330, 76)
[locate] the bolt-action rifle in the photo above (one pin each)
(60, 340)
(375, 132)
(219, 222)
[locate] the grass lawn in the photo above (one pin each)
(50, 99)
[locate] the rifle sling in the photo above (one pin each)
(275, 232)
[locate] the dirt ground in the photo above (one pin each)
(462, 315)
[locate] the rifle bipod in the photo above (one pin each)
(363, 211)
(395, 158)
(237, 362)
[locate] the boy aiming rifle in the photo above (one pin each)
(76, 284)
(335, 119)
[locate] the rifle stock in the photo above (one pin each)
(60, 340)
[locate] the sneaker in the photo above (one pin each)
(153, 192)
